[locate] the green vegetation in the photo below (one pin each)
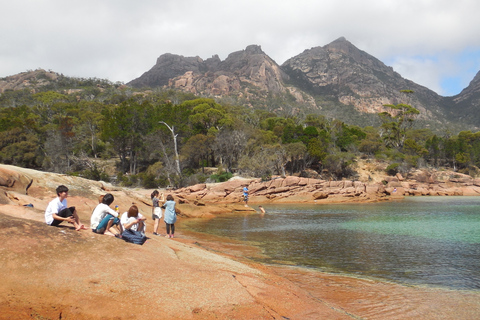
(168, 138)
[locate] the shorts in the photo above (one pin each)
(64, 213)
(157, 213)
(102, 226)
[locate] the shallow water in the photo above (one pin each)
(420, 241)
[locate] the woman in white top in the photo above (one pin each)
(134, 220)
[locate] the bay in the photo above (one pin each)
(433, 241)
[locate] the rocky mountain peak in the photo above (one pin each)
(354, 77)
(29, 79)
(215, 77)
(254, 49)
(339, 74)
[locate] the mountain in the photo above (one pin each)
(249, 77)
(352, 77)
(465, 106)
(337, 80)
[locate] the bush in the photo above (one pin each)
(392, 169)
(95, 174)
(225, 176)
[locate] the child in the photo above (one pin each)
(245, 196)
(170, 216)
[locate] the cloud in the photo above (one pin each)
(423, 40)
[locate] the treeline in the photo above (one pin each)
(167, 138)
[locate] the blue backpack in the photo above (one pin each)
(134, 236)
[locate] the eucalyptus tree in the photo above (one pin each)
(229, 146)
(396, 122)
(124, 126)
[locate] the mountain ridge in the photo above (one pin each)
(337, 78)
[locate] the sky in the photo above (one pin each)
(435, 43)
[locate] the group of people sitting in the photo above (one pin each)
(105, 220)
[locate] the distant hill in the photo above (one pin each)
(337, 80)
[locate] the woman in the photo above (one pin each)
(170, 216)
(156, 211)
(133, 220)
(104, 218)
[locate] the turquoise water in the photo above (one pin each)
(420, 241)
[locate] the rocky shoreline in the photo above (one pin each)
(60, 273)
(294, 189)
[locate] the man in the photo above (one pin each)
(57, 210)
(104, 218)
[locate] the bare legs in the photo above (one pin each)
(76, 221)
(155, 226)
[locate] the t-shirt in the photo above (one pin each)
(55, 206)
(155, 202)
(124, 220)
(100, 211)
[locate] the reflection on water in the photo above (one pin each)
(422, 240)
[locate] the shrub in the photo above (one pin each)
(392, 169)
(225, 176)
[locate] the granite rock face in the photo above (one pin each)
(239, 71)
(296, 189)
(356, 78)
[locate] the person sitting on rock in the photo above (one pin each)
(104, 218)
(134, 220)
(57, 210)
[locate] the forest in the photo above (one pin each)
(156, 138)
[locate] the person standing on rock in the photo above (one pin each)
(170, 216)
(57, 210)
(104, 218)
(245, 196)
(156, 211)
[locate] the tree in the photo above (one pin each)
(397, 122)
(207, 116)
(198, 149)
(174, 139)
(229, 145)
(295, 151)
(124, 126)
(88, 129)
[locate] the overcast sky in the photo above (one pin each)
(435, 43)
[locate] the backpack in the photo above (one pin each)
(133, 236)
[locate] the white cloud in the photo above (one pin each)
(120, 40)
